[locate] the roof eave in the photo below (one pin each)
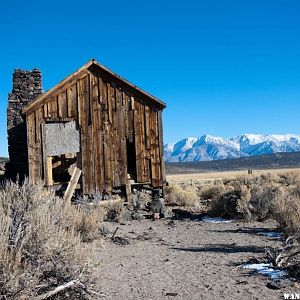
(29, 107)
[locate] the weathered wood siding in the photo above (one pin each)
(107, 113)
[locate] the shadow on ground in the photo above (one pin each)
(183, 214)
(246, 230)
(223, 248)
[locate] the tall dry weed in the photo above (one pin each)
(287, 211)
(40, 246)
(182, 195)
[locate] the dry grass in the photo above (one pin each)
(141, 200)
(274, 194)
(41, 243)
(112, 209)
(182, 195)
(287, 212)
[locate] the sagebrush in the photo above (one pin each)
(258, 198)
(182, 195)
(41, 243)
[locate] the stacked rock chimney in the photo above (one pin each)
(27, 85)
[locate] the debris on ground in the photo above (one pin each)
(119, 240)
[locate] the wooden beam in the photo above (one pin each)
(60, 288)
(72, 185)
(128, 189)
(48, 172)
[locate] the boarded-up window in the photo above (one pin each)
(62, 138)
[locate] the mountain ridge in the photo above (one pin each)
(208, 147)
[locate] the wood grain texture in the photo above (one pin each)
(108, 118)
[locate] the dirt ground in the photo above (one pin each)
(185, 260)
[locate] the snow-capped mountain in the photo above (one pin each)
(209, 147)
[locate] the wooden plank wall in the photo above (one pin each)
(108, 115)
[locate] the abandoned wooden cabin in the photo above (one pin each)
(101, 123)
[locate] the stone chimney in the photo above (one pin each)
(27, 85)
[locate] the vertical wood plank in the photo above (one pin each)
(54, 108)
(71, 101)
(109, 103)
(154, 178)
(147, 128)
(137, 138)
(126, 109)
(62, 105)
(97, 135)
(30, 137)
(48, 108)
(161, 149)
(45, 110)
(83, 98)
(122, 145)
(48, 171)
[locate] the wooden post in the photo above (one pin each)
(72, 185)
(128, 189)
(48, 173)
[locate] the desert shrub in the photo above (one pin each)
(262, 200)
(290, 178)
(286, 211)
(212, 192)
(297, 189)
(87, 221)
(85, 218)
(141, 200)
(113, 209)
(246, 197)
(40, 247)
(232, 203)
(182, 196)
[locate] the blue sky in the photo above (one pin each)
(223, 67)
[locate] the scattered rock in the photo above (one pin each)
(156, 216)
(137, 216)
(171, 294)
(279, 284)
(120, 240)
(171, 223)
(126, 216)
(146, 236)
(157, 206)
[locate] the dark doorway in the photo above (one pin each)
(62, 167)
(131, 159)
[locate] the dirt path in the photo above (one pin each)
(184, 260)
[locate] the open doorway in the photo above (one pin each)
(63, 167)
(131, 159)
